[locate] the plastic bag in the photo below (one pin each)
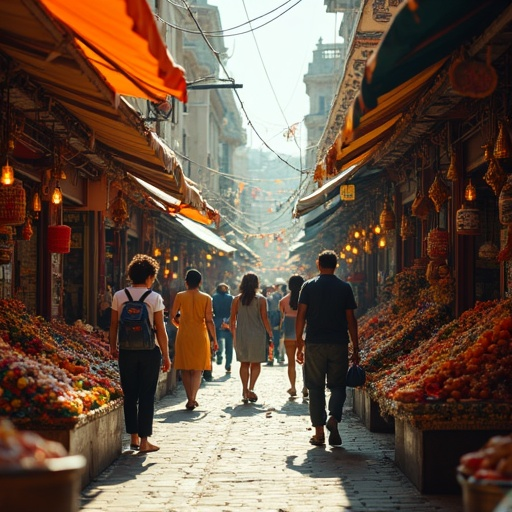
(356, 376)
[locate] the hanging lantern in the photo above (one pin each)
(453, 173)
(437, 244)
(503, 146)
(119, 210)
(57, 194)
(387, 217)
(439, 193)
(59, 239)
(12, 204)
(7, 174)
(470, 192)
(495, 176)
(27, 231)
(468, 221)
(488, 251)
(36, 205)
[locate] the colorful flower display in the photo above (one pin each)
(50, 372)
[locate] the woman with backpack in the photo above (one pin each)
(192, 314)
(137, 314)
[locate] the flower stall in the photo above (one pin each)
(61, 382)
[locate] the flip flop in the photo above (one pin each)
(292, 392)
(134, 447)
(252, 396)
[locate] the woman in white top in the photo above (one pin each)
(288, 308)
(139, 369)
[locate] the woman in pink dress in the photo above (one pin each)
(288, 308)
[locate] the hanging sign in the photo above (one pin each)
(347, 192)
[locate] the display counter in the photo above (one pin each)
(429, 441)
(97, 436)
(369, 411)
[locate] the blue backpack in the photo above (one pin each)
(135, 331)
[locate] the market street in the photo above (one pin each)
(226, 455)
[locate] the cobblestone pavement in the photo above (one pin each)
(229, 456)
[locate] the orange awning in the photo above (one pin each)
(121, 40)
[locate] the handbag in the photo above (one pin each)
(356, 376)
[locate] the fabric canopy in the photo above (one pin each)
(121, 40)
(421, 36)
(172, 205)
(204, 234)
(82, 105)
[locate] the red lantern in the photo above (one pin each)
(59, 239)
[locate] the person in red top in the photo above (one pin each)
(288, 308)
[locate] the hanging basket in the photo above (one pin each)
(439, 193)
(59, 239)
(437, 244)
(12, 204)
(468, 221)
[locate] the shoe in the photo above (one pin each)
(228, 370)
(245, 400)
(270, 363)
(207, 376)
(134, 447)
(334, 435)
(305, 392)
(317, 441)
(252, 396)
(292, 392)
(190, 406)
(219, 361)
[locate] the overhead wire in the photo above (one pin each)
(221, 64)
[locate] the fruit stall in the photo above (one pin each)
(446, 383)
(60, 381)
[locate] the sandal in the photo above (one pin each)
(252, 396)
(317, 441)
(134, 447)
(292, 392)
(245, 400)
(190, 406)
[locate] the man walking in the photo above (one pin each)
(222, 300)
(326, 310)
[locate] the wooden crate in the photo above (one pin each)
(97, 436)
(429, 458)
(369, 412)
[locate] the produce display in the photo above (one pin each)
(422, 365)
(52, 373)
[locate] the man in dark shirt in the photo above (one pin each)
(326, 310)
(222, 300)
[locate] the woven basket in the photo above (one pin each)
(13, 204)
